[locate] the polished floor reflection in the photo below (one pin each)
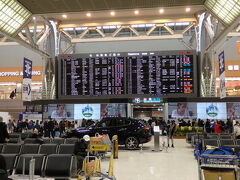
(176, 164)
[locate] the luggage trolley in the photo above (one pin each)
(99, 145)
(218, 167)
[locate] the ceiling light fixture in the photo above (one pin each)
(188, 9)
(161, 11)
(112, 13)
(88, 15)
(13, 16)
(64, 16)
(136, 12)
(34, 18)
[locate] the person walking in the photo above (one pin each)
(171, 129)
(3, 132)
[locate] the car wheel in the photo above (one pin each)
(131, 143)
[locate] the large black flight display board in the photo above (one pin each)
(92, 76)
(129, 75)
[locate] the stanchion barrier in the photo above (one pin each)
(110, 171)
(115, 146)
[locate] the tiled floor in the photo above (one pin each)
(176, 164)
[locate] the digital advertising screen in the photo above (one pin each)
(233, 110)
(87, 111)
(129, 74)
(59, 111)
(211, 110)
(182, 110)
(113, 110)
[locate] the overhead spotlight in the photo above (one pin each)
(88, 15)
(136, 12)
(112, 13)
(64, 16)
(34, 18)
(161, 11)
(188, 9)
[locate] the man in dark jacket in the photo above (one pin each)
(51, 126)
(3, 131)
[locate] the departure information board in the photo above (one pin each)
(93, 76)
(171, 73)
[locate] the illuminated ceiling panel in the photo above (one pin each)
(226, 10)
(12, 16)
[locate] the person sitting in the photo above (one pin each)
(81, 150)
(3, 169)
(3, 131)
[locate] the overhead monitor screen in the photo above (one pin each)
(120, 75)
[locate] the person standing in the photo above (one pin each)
(236, 130)
(45, 128)
(61, 127)
(3, 131)
(171, 129)
(207, 126)
(218, 128)
(51, 126)
(10, 126)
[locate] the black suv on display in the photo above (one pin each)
(131, 132)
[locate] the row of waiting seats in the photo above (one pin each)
(37, 149)
(51, 160)
(220, 143)
(45, 140)
(192, 138)
(52, 141)
(53, 165)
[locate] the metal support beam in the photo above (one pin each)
(185, 44)
(209, 30)
(30, 39)
(169, 29)
(222, 35)
(29, 46)
(137, 38)
(234, 34)
(188, 27)
(151, 30)
(22, 36)
(117, 31)
(83, 33)
(3, 39)
(100, 32)
(67, 34)
(44, 36)
(134, 30)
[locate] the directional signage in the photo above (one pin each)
(27, 80)
(221, 60)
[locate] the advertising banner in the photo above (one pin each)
(27, 80)
(221, 60)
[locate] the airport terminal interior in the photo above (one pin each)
(117, 89)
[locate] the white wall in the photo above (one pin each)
(228, 45)
(12, 56)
